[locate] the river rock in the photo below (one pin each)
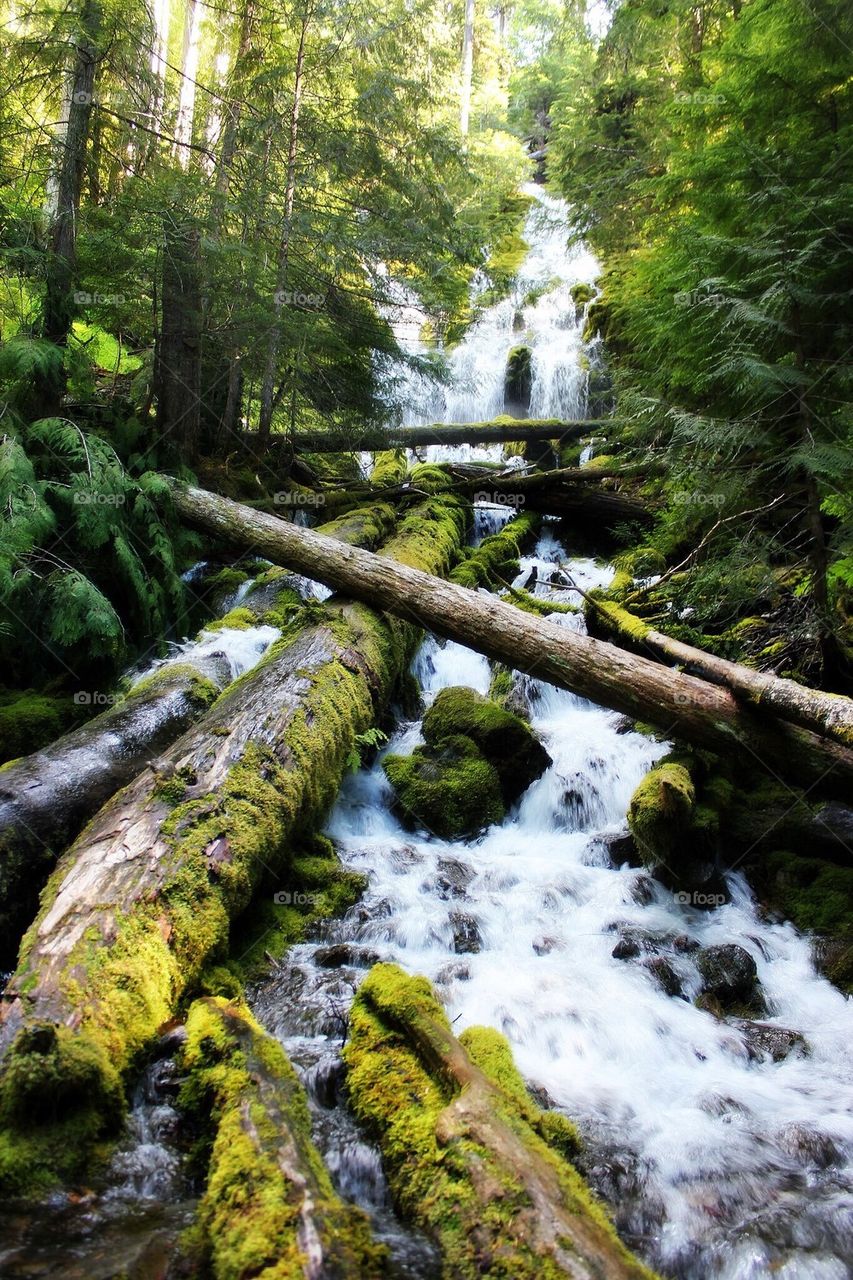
(729, 976)
(664, 975)
(450, 788)
(453, 878)
(466, 933)
(506, 741)
(809, 1146)
(765, 1039)
(339, 954)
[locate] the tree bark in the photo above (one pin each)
(376, 438)
(143, 900)
(676, 703)
(467, 65)
(59, 304)
(827, 714)
(497, 1188)
(178, 350)
(46, 798)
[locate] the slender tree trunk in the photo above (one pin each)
(59, 304)
(178, 357)
(678, 704)
(274, 340)
(467, 64)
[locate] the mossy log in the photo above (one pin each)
(268, 1206)
(828, 714)
(46, 797)
(677, 703)
(468, 1154)
(496, 432)
(144, 898)
(569, 492)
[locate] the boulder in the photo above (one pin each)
(451, 789)
(729, 977)
(507, 742)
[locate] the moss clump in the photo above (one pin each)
(817, 897)
(509, 745)
(518, 379)
(239, 619)
(265, 1179)
(661, 811)
(642, 562)
(30, 720)
(451, 789)
(463, 1143)
(582, 294)
(496, 559)
(46, 1132)
(389, 467)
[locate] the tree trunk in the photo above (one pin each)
(377, 438)
(274, 338)
(59, 303)
(489, 1175)
(676, 703)
(46, 798)
(467, 65)
(143, 900)
(828, 714)
(178, 353)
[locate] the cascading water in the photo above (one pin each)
(720, 1157)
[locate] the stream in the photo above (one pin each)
(719, 1160)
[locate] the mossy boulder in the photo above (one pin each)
(451, 789)
(582, 294)
(661, 812)
(507, 742)
(30, 720)
(518, 380)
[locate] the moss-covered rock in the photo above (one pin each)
(660, 814)
(451, 789)
(507, 742)
(518, 379)
(469, 1155)
(582, 294)
(268, 1207)
(30, 720)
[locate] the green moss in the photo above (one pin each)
(366, 526)
(661, 813)
(239, 619)
(448, 1150)
(452, 790)
(201, 690)
(31, 720)
(642, 562)
(496, 559)
(582, 294)
(389, 467)
(518, 378)
(263, 1171)
(506, 741)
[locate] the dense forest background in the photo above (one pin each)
(208, 213)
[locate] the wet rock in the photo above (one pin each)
(809, 1146)
(833, 832)
(624, 725)
(765, 1039)
(453, 878)
(664, 975)
(729, 975)
(505, 740)
(621, 849)
(456, 971)
(343, 953)
(626, 949)
(466, 934)
(643, 890)
(684, 944)
(544, 946)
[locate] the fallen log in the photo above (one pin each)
(47, 797)
(501, 431)
(143, 899)
(673, 701)
(469, 1156)
(828, 714)
(268, 1206)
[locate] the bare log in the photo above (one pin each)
(675, 702)
(468, 1153)
(501, 431)
(144, 898)
(828, 714)
(46, 797)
